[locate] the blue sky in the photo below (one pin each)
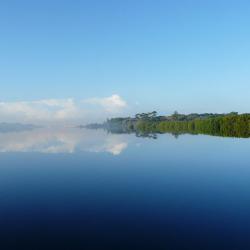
(190, 56)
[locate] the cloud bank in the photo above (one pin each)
(111, 104)
(61, 110)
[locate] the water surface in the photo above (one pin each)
(75, 188)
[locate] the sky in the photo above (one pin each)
(83, 60)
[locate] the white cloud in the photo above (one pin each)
(59, 110)
(42, 110)
(112, 104)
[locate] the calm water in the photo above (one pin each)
(72, 188)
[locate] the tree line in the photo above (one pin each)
(231, 124)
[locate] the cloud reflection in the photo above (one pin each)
(63, 140)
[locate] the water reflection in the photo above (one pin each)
(62, 140)
(166, 190)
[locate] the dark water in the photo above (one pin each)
(84, 189)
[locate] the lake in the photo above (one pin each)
(88, 189)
